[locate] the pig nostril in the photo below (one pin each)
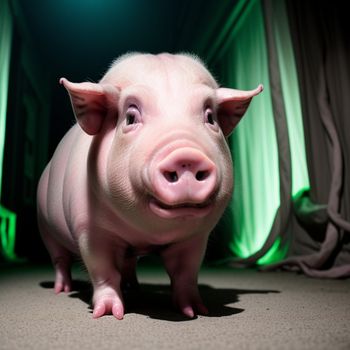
(202, 175)
(171, 176)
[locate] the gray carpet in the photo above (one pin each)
(248, 310)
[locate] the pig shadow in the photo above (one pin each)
(154, 300)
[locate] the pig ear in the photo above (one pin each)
(91, 103)
(232, 104)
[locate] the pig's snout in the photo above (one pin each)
(186, 176)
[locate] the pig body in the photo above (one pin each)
(145, 167)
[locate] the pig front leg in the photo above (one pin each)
(182, 261)
(100, 260)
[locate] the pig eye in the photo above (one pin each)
(209, 116)
(130, 119)
(132, 115)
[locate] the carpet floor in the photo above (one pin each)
(248, 310)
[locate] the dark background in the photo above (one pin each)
(78, 40)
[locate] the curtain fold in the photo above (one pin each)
(291, 152)
(323, 56)
(253, 144)
(268, 145)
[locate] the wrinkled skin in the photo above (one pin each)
(146, 167)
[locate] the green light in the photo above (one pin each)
(276, 253)
(8, 233)
(291, 97)
(7, 218)
(290, 88)
(256, 196)
(5, 53)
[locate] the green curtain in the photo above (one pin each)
(253, 144)
(291, 97)
(7, 218)
(5, 54)
(268, 145)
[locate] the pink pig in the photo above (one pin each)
(146, 167)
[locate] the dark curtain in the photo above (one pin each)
(252, 41)
(321, 245)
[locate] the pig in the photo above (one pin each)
(146, 168)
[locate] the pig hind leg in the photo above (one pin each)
(60, 256)
(61, 259)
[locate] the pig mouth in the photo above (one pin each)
(185, 209)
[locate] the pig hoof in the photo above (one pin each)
(63, 279)
(192, 311)
(63, 282)
(62, 287)
(192, 307)
(108, 306)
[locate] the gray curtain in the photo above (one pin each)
(321, 245)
